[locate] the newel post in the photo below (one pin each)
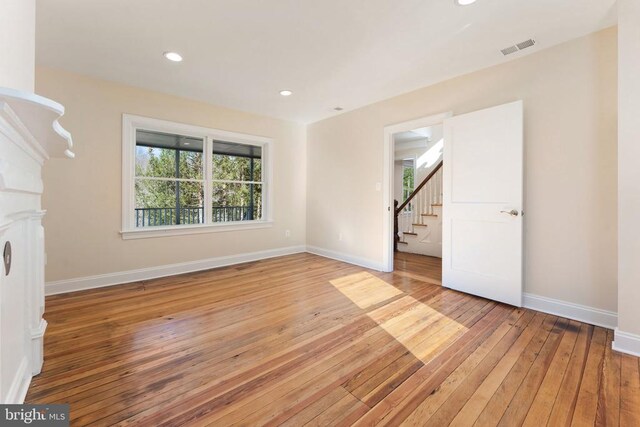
(395, 226)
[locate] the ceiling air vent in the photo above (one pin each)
(518, 46)
(525, 44)
(509, 50)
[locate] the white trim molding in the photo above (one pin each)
(145, 233)
(37, 347)
(349, 259)
(626, 342)
(582, 313)
(19, 385)
(122, 277)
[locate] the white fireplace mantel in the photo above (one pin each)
(29, 135)
(39, 117)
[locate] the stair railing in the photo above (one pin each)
(422, 199)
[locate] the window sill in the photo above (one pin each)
(181, 230)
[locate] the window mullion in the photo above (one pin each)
(177, 184)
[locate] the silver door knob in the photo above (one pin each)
(512, 212)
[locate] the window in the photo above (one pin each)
(181, 179)
(408, 180)
(237, 182)
(169, 179)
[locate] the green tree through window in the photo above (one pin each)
(237, 188)
(408, 184)
(161, 163)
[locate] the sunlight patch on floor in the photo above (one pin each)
(420, 277)
(420, 328)
(365, 289)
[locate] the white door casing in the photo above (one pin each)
(483, 203)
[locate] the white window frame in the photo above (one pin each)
(131, 123)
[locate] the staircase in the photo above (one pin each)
(420, 228)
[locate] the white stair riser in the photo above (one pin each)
(428, 240)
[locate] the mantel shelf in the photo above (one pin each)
(39, 116)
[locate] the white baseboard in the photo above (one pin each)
(118, 278)
(625, 342)
(350, 259)
(37, 347)
(583, 313)
(20, 384)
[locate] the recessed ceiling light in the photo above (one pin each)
(464, 2)
(338, 108)
(173, 56)
(285, 92)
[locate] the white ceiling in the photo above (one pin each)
(420, 134)
(348, 53)
(417, 138)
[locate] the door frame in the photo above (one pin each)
(387, 179)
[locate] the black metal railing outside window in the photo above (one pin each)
(157, 217)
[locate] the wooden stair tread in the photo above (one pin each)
(428, 214)
(410, 233)
(403, 242)
(436, 204)
(420, 225)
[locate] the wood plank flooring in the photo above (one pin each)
(305, 340)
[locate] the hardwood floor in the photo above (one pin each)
(305, 340)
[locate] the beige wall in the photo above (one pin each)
(628, 169)
(569, 94)
(17, 44)
(570, 100)
(83, 196)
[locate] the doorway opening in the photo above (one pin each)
(417, 191)
(413, 191)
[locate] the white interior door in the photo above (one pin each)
(483, 203)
